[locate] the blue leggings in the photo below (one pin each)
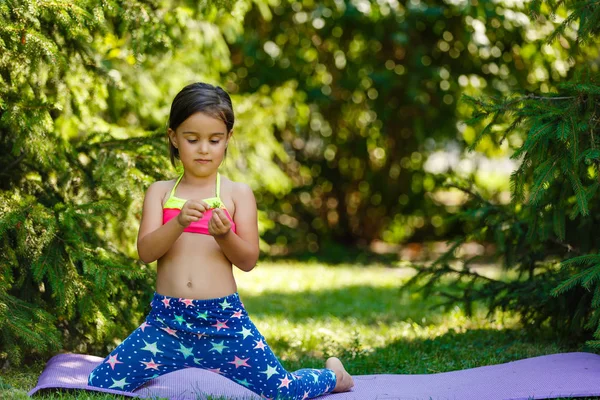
(214, 334)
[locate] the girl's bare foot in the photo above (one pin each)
(344, 380)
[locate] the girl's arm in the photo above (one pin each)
(241, 247)
(154, 238)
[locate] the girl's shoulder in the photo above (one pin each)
(240, 192)
(162, 189)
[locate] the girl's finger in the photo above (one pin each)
(198, 205)
(213, 228)
(217, 221)
(195, 212)
(221, 215)
(203, 204)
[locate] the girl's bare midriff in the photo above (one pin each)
(195, 266)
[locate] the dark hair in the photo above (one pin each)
(199, 97)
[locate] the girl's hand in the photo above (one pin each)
(192, 210)
(218, 225)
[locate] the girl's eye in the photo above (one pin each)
(214, 141)
(192, 141)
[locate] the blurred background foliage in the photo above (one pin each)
(382, 80)
(348, 125)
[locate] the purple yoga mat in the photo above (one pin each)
(545, 377)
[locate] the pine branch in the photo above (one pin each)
(593, 145)
(467, 190)
(13, 163)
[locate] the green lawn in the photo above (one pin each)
(308, 312)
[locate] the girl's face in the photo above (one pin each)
(201, 141)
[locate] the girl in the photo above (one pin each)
(196, 227)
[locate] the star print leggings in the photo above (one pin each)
(214, 334)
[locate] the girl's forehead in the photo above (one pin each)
(201, 123)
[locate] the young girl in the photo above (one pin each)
(197, 226)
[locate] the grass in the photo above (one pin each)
(309, 311)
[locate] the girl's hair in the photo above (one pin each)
(199, 97)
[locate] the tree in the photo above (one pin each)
(546, 236)
(382, 80)
(85, 92)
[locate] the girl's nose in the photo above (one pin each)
(203, 147)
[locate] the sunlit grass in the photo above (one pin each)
(308, 312)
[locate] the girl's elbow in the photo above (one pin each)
(145, 256)
(247, 266)
(145, 259)
(250, 265)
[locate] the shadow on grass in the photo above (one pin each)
(334, 254)
(361, 303)
(449, 352)
(460, 350)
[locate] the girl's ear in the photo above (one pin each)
(173, 137)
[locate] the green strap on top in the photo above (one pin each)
(176, 202)
(218, 186)
(174, 186)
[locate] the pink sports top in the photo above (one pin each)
(172, 208)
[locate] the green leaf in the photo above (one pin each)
(580, 193)
(589, 155)
(563, 130)
(545, 175)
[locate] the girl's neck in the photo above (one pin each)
(199, 181)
